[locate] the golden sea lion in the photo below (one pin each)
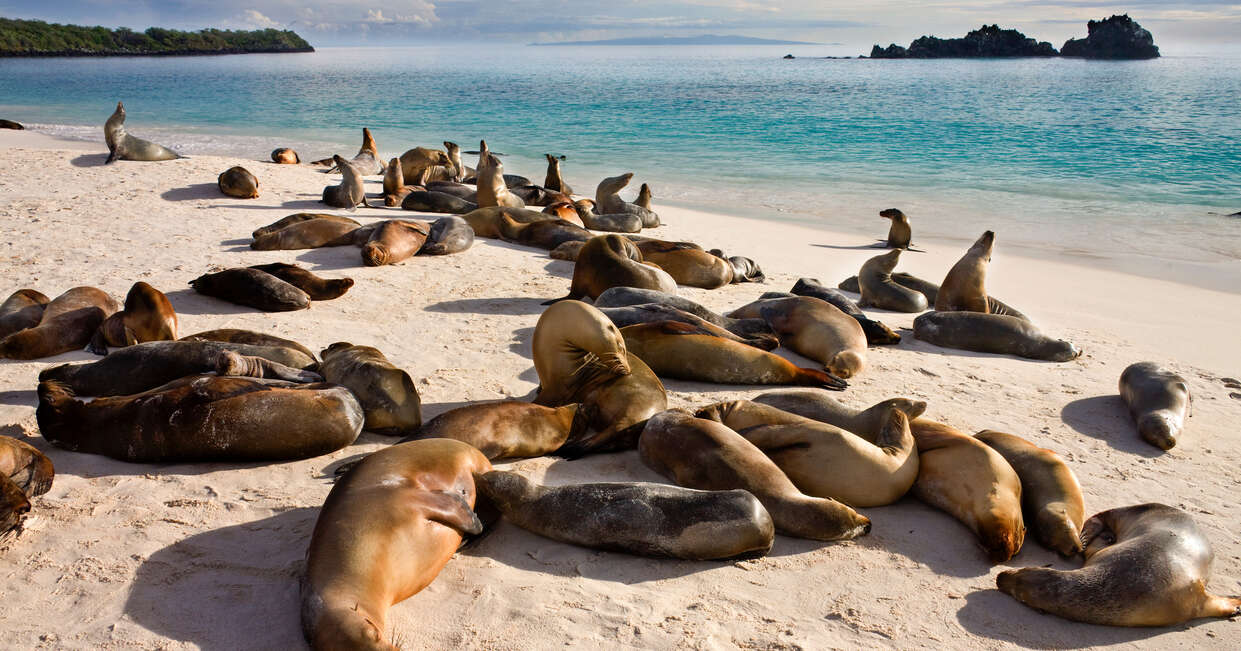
(877, 334)
(67, 323)
(687, 263)
(417, 162)
(1051, 498)
(486, 221)
(818, 405)
(239, 182)
(147, 316)
(964, 288)
(1158, 399)
(394, 184)
(285, 156)
(387, 394)
(508, 428)
(393, 241)
(814, 329)
(609, 261)
(492, 190)
(301, 217)
(306, 234)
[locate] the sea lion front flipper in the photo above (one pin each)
(98, 343)
(450, 509)
(774, 438)
(489, 514)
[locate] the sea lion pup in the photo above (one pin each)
(306, 234)
(285, 156)
(492, 190)
(239, 182)
(644, 197)
(992, 333)
(387, 394)
(1146, 565)
(350, 192)
(899, 234)
(385, 531)
(1158, 400)
(879, 290)
(432, 201)
(964, 288)
(393, 241)
(448, 235)
(622, 296)
(251, 338)
(122, 146)
(459, 190)
(612, 261)
(318, 289)
(68, 322)
(960, 475)
(508, 429)
(147, 316)
(814, 329)
(299, 217)
(638, 518)
(704, 454)
(24, 473)
(204, 418)
(1051, 498)
(144, 366)
(22, 309)
(877, 334)
(826, 461)
(544, 234)
(554, 181)
(253, 288)
(394, 184)
(930, 290)
(685, 352)
(486, 221)
(745, 270)
(608, 201)
(687, 263)
(416, 164)
(654, 312)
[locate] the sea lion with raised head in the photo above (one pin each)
(68, 322)
(122, 146)
(448, 235)
(704, 454)
(687, 263)
(819, 405)
(554, 181)
(306, 234)
(285, 156)
(492, 190)
(815, 329)
(432, 201)
(366, 161)
(239, 182)
(654, 312)
(1158, 400)
(879, 290)
(931, 291)
(622, 296)
(299, 217)
(253, 288)
(417, 163)
(608, 201)
(393, 241)
(146, 316)
(350, 193)
(385, 531)
(899, 233)
(992, 333)
(251, 338)
(964, 288)
(22, 309)
(608, 261)
(507, 429)
(24, 473)
(636, 518)
(1146, 565)
(1051, 498)
(318, 289)
(394, 184)
(644, 197)
(877, 334)
(387, 394)
(544, 234)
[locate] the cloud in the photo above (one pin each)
(252, 17)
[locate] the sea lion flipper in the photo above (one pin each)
(450, 509)
(14, 505)
(98, 343)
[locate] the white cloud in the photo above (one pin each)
(252, 17)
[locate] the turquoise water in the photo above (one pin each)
(1059, 154)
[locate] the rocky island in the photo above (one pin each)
(1118, 37)
(35, 38)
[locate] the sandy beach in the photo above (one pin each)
(208, 556)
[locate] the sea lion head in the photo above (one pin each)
(1158, 430)
(593, 334)
(887, 262)
(584, 207)
(892, 213)
(984, 244)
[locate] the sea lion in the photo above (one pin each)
(385, 531)
(432, 201)
(899, 234)
(567, 251)
(122, 146)
(239, 182)
(22, 309)
(416, 163)
(612, 223)
(350, 192)
(9, 124)
(448, 235)
(253, 288)
(815, 329)
(930, 290)
(608, 201)
(301, 217)
(233, 363)
(554, 180)
(964, 288)
(644, 197)
(508, 429)
(1158, 400)
(960, 475)
(68, 322)
(318, 289)
(685, 352)
(563, 210)
(820, 406)
(622, 296)
(544, 234)
(459, 190)
(144, 366)
(251, 338)
(653, 312)
(387, 394)
(687, 263)
(877, 334)
(704, 454)
(393, 241)
(612, 261)
(636, 518)
(879, 290)
(285, 156)
(745, 270)
(1146, 565)
(394, 184)
(366, 161)
(146, 316)
(992, 333)
(306, 234)
(537, 195)
(486, 221)
(204, 418)
(24, 473)
(492, 190)
(1051, 498)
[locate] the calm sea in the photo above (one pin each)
(1099, 158)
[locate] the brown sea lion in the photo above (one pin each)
(307, 234)
(68, 323)
(439, 202)
(544, 234)
(960, 475)
(486, 221)
(204, 418)
(460, 190)
(122, 146)
(507, 428)
(964, 288)
(492, 190)
(251, 287)
(554, 180)
(24, 473)
(448, 235)
(814, 329)
(301, 217)
(704, 454)
(563, 210)
(387, 394)
(249, 337)
(613, 261)
(1158, 399)
(285, 156)
(9, 124)
(384, 533)
(22, 309)
(147, 316)
(879, 290)
(239, 182)
(366, 161)
(636, 518)
(612, 223)
(877, 334)
(1051, 498)
(350, 193)
(931, 291)
(644, 197)
(899, 234)
(567, 251)
(622, 296)
(394, 184)
(687, 263)
(318, 289)
(826, 461)
(608, 201)
(417, 162)
(393, 241)
(653, 312)
(537, 195)
(233, 363)
(992, 333)
(818, 405)
(456, 171)
(1146, 565)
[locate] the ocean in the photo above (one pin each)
(1088, 158)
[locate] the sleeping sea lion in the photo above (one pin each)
(537, 195)
(459, 190)
(554, 180)
(239, 182)
(251, 338)
(68, 322)
(687, 263)
(253, 288)
(9, 124)
(507, 429)
(992, 333)
(1158, 399)
(147, 316)
(22, 309)
(964, 288)
(394, 184)
(612, 223)
(1051, 498)
(877, 334)
(432, 201)
(306, 234)
(486, 221)
(563, 210)
(448, 235)
(815, 329)
(612, 261)
(622, 296)
(388, 397)
(544, 234)
(350, 192)
(318, 289)
(492, 190)
(819, 405)
(122, 146)
(899, 234)
(653, 312)
(24, 473)
(285, 156)
(300, 217)
(393, 241)
(879, 290)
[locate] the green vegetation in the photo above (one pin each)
(31, 38)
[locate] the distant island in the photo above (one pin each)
(35, 38)
(705, 39)
(1118, 37)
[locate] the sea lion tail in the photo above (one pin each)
(810, 377)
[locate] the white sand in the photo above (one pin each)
(208, 555)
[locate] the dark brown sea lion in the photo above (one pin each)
(654, 312)
(318, 289)
(613, 261)
(704, 454)
(687, 263)
(622, 296)
(387, 394)
(301, 217)
(306, 234)
(249, 337)
(251, 287)
(68, 323)
(964, 288)
(508, 428)
(879, 290)
(814, 329)
(554, 180)
(899, 234)
(385, 531)
(930, 290)
(22, 309)
(492, 190)
(416, 162)
(1051, 498)
(636, 518)
(644, 197)
(394, 184)
(877, 334)
(544, 234)
(285, 156)
(432, 201)
(1158, 399)
(239, 182)
(350, 193)
(393, 241)
(448, 235)
(992, 333)
(234, 363)
(24, 473)
(1146, 565)
(204, 418)
(9, 124)
(122, 146)
(147, 316)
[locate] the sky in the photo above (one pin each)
(849, 27)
